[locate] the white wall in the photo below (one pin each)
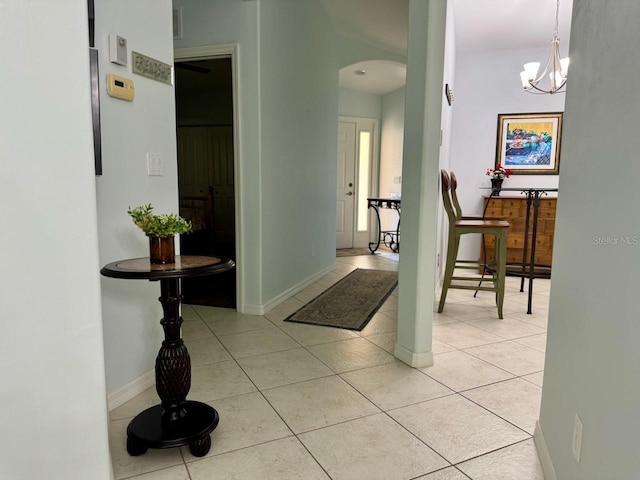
(487, 84)
(447, 142)
(131, 310)
(592, 363)
(52, 392)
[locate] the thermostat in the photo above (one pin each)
(120, 87)
(118, 49)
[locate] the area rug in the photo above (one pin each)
(352, 252)
(351, 302)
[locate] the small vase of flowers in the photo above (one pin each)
(497, 176)
(161, 230)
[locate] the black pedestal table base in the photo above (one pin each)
(176, 421)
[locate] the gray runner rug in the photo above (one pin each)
(351, 302)
(352, 252)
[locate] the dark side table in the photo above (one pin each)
(391, 238)
(176, 421)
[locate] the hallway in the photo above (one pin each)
(305, 402)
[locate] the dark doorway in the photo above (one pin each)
(204, 119)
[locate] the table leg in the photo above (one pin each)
(532, 266)
(397, 246)
(379, 232)
(176, 421)
(526, 239)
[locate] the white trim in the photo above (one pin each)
(274, 302)
(543, 453)
(130, 390)
(205, 52)
(415, 360)
(228, 50)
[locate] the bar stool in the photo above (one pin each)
(458, 209)
(496, 228)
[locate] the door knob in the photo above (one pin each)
(349, 193)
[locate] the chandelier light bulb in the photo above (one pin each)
(531, 69)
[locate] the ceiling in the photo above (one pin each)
(480, 25)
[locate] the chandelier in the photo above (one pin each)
(555, 69)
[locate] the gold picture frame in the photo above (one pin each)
(529, 143)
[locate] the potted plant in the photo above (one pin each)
(497, 176)
(161, 230)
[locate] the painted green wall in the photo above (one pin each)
(299, 111)
(288, 89)
(236, 22)
(54, 422)
(129, 130)
(353, 103)
(592, 365)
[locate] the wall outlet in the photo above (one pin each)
(576, 444)
(438, 260)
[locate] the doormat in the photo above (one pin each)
(351, 302)
(352, 252)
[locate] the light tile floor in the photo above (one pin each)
(304, 402)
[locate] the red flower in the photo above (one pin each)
(499, 172)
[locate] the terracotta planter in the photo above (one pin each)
(162, 250)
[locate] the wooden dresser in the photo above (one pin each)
(514, 209)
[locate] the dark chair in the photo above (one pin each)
(458, 227)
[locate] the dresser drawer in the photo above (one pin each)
(514, 210)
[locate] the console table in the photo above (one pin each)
(530, 237)
(176, 421)
(391, 238)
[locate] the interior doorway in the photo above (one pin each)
(357, 180)
(206, 177)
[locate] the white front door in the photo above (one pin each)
(346, 181)
(357, 180)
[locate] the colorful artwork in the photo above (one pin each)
(529, 143)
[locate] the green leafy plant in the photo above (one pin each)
(164, 225)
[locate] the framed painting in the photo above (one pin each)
(529, 143)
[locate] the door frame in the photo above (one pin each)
(229, 50)
(374, 178)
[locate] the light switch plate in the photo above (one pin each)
(154, 164)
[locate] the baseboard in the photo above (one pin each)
(274, 302)
(251, 309)
(415, 360)
(543, 454)
(130, 390)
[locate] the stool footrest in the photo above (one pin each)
(474, 287)
(473, 279)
